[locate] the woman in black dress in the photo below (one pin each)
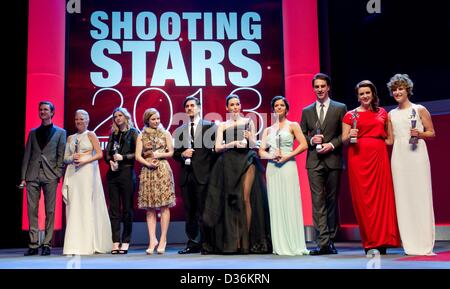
(236, 206)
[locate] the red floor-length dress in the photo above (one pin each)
(370, 180)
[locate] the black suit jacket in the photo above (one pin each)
(331, 130)
(204, 156)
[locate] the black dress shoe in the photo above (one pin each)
(332, 249)
(31, 252)
(189, 250)
(320, 251)
(46, 251)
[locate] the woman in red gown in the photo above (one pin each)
(369, 171)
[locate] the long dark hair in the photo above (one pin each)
(375, 101)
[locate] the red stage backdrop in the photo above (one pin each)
(140, 54)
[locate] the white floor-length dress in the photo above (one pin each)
(88, 228)
(412, 185)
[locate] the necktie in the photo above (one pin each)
(192, 134)
(322, 112)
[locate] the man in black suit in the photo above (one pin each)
(322, 126)
(194, 149)
(42, 167)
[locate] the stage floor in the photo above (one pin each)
(351, 256)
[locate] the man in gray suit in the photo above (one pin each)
(42, 168)
(322, 126)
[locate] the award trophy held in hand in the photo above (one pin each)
(244, 140)
(150, 153)
(76, 151)
(355, 116)
(413, 140)
(188, 161)
(318, 132)
(115, 164)
(278, 142)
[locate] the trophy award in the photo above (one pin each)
(278, 143)
(77, 147)
(154, 160)
(188, 161)
(244, 140)
(318, 131)
(116, 147)
(413, 140)
(354, 123)
(115, 151)
(76, 150)
(278, 137)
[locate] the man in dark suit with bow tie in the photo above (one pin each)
(322, 126)
(194, 149)
(42, 167)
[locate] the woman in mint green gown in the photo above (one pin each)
(283, 188)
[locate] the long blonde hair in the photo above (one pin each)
(128, 120)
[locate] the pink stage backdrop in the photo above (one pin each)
(301, 63)
(45, 78)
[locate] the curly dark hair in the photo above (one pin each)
(399, 80)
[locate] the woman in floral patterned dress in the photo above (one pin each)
(156, 188)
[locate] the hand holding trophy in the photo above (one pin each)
(414, 140)
(188, 160)
(277, 152)
(353, 137)
(244, 141)
(76, 154)
(318, 137)
(149, 155)
(115, 164)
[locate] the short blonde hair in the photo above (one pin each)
(84, 113)
(401, 80)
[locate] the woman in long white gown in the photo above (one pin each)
(88, 228)
(283, 188)
(411, 169)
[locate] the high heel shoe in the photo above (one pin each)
(116, 249)
(124, 251)
(161, 251)
(150, 249)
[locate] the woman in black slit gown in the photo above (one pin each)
(236, 208)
